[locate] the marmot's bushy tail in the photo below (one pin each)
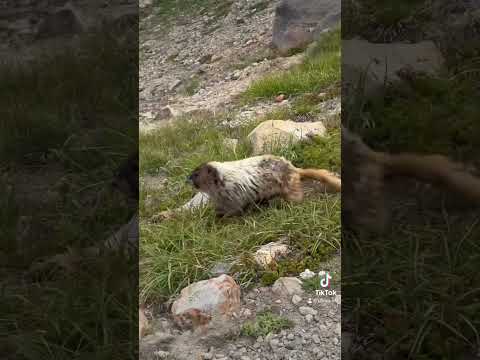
(324, 176)
(436, 169)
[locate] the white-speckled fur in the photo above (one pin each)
(249, 180)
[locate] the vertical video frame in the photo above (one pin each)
(240, 201)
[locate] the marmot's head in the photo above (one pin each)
(205, 178)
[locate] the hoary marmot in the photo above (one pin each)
(234, 185)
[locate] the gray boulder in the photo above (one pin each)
(298, 22)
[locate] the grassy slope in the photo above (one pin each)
(423, 292)
(320, 70)
(177, 252)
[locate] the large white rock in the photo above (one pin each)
(204, 300)
(380, 63)
(274, 134)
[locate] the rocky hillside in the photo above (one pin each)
(203, 62)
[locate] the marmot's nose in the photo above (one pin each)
(189, 180)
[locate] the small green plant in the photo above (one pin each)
(312, 284)
(191, 86)
(264, 324)
(322, 152)
(269, 277)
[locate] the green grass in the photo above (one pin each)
(191, 86)
(264, 324)
(416, 286)
(325, 152)
(388, 13)
(320, 70)
(177, 252)
(71, 114)
(43, 112)
(89, 313)
(377, 19)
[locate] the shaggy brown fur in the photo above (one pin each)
(365, 170)
(235, 185)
